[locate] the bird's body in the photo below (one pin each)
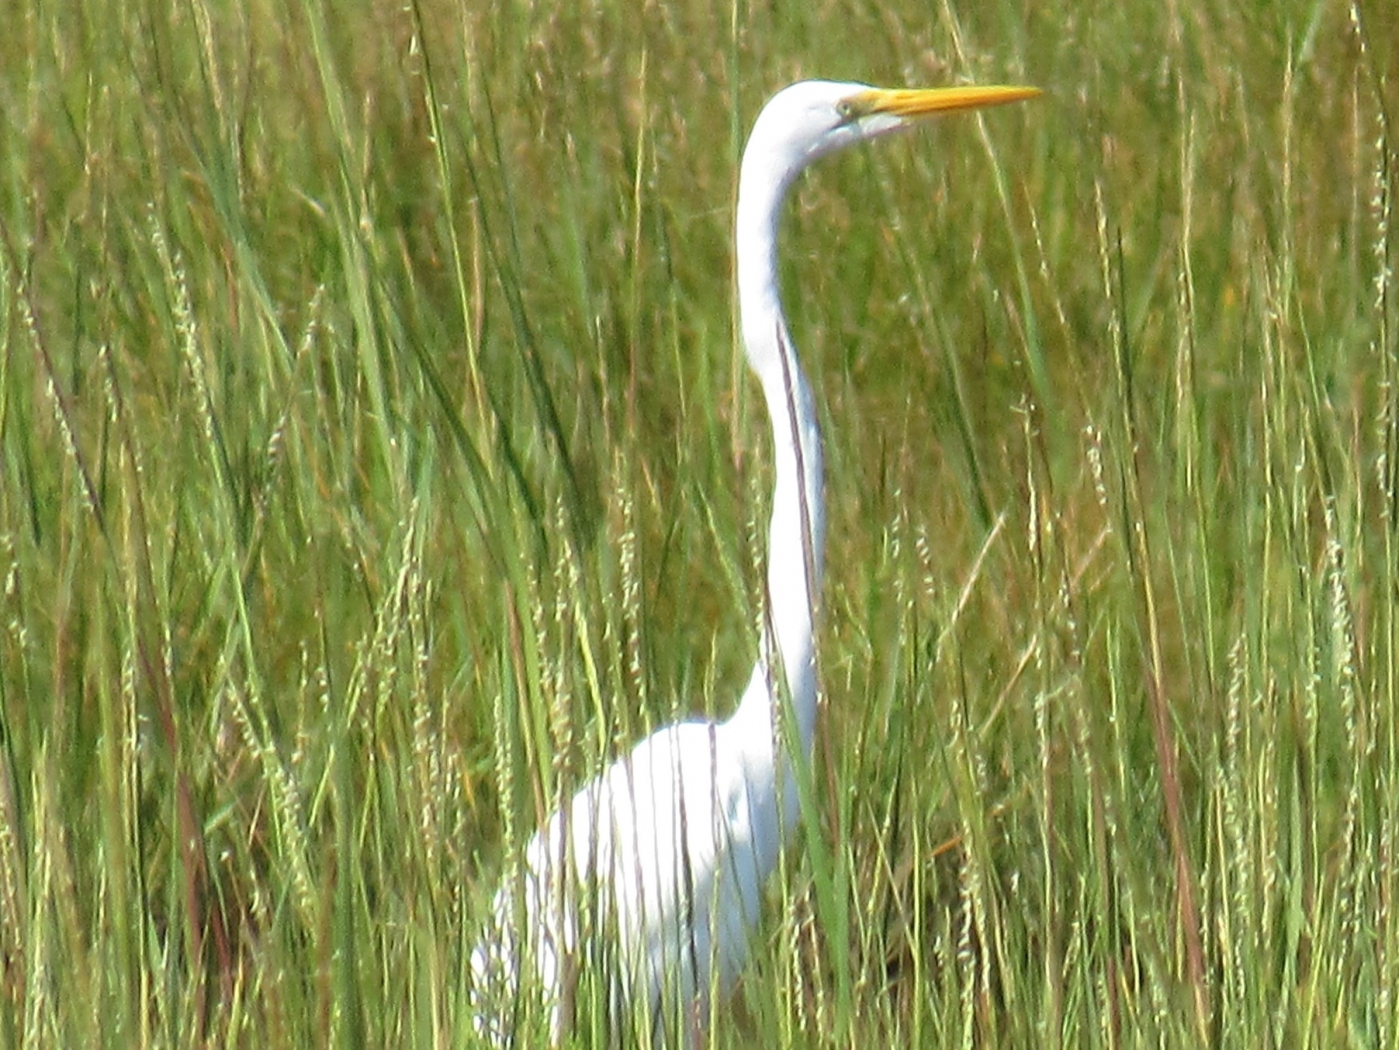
(657, 867)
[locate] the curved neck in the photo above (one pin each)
(796, 533)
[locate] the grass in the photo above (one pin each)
(378, 460)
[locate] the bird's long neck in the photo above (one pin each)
(796, 534)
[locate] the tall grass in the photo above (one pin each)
(378, 461)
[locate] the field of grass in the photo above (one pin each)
(377, 460)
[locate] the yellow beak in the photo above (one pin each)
(921, 102)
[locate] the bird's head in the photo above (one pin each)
(807, 120)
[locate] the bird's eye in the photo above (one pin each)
(845, 110)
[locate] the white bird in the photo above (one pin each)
(656, 869)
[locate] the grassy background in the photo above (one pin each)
(378, 460)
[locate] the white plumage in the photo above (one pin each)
(667, 852)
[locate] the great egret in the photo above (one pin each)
(658, 865)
